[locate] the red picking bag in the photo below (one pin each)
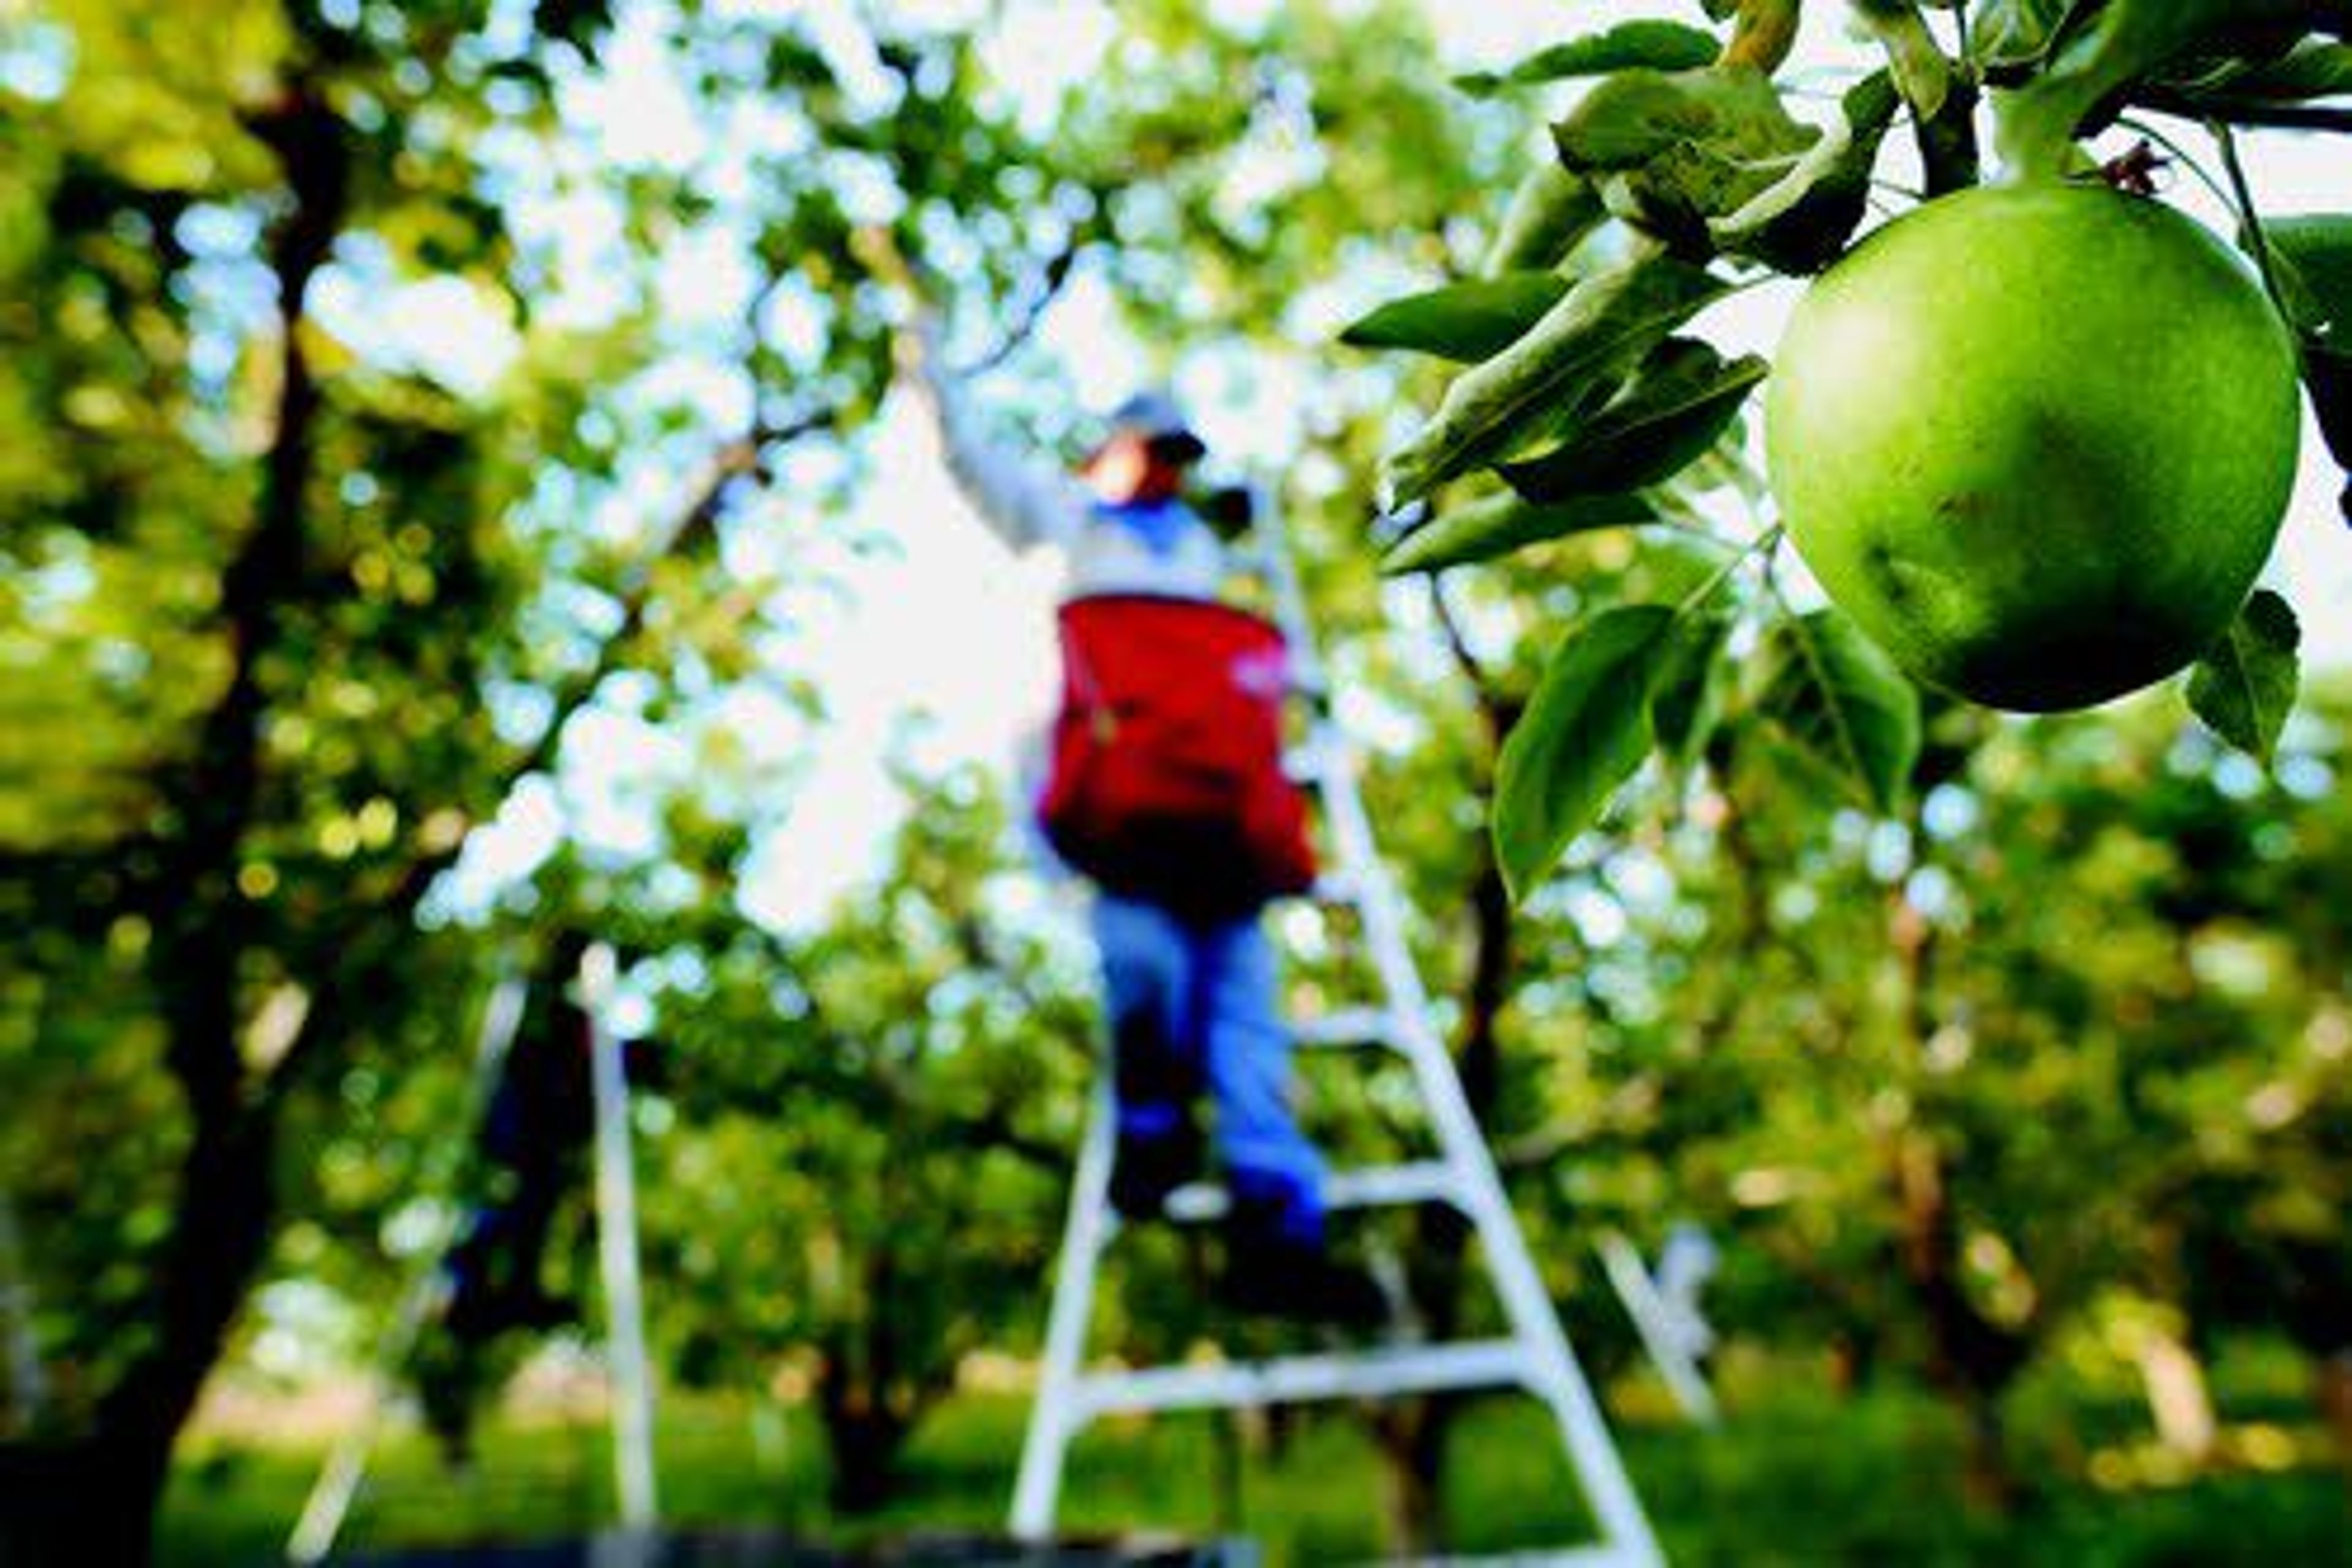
(1167, 781)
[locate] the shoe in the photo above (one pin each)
(1306, 1283)
(1144, 1171)
(537, 1310)
(1161, 1147)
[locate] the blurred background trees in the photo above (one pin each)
(401, 431)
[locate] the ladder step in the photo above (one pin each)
(1567, 1557)
(1291, 1380)
(1342, 888)
(1375, 1186)
(1347, 1028)
(1320, 760)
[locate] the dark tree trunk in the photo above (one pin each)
(865, 1440)
(1412, 1435)
(107, 1491)
(65, 1505)
(1988, 1478)
(1412, 1438)
(870, 1409)
(1971, 1359)
(96, 1501)
(2331, 1382)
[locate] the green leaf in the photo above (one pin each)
(2327, 375)
(1672, 413)
(2316, 251)
(1842, 703)
(1802, 221)
(1549, 216)
(1497, 525)
(1659, 46)
(2312, 256)
(2315, 69)
(2012, 36)
(1584, 734)
(1627, 121)
(2117, 45)
(1602, 326)
(1467, 322)
(1686, 693)
(1673, 152)
(2244, 688)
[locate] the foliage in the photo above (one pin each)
(1759, 1491)
(1971, 1041)
(1715, 181)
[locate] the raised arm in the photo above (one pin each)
(1024, 501)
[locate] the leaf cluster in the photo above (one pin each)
(1587, 396)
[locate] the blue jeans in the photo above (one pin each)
(1194, 1004)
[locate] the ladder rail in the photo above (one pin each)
(1535, 1320)
(1053, 1421)
(617, 1247)
(1526, 1300)
(1654, 1322)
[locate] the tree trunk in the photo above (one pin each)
(2332, 1386)
(96, 1502)
(66, 1505)
(1971, 1359)
(868, 1407)
(865, 1432)
(1411, 1436)
(866, 1442)
(109, 1491)
(1987, 1479)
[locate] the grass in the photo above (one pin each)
(1795, 1478)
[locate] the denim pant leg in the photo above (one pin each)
(1155, 1077)
(1269, 1163)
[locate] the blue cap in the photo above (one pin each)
(1156, 415)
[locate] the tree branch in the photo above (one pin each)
(1499, 711)
(1057, 273)
(2243, 111)
(745, 457)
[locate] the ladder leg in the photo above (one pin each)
(1668, 1351)
(616, 1246)
(1055, 1420)
(330, 1498)
(1535, 1320)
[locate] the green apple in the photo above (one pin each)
(2037, 440)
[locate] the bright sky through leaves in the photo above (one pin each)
(896, 665)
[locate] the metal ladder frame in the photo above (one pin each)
(329, 1504)
(1534, 1356)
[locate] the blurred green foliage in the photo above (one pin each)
(2042, 1062)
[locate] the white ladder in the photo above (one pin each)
(1534, 1356)
(330, 1498)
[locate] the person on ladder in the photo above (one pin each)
(1167, 793)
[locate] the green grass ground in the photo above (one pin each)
(1795, 1481)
